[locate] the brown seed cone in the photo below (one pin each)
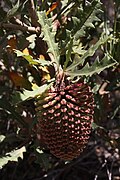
(64, 118)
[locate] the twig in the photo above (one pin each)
(102, 90)
(23, 28)
(35, 28)
(18, 21)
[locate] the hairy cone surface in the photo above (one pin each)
(64, 118)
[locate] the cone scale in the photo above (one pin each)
(65, 115)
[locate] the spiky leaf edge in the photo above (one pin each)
(12, 156)
(49, 36)
(90, 52)
(97, 67)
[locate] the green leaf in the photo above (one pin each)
(49, 36)
(42, 159)
(96, 67)
(6, 106)
(68, 53)
(88, 53)
(31, 40)
(85, 18)
(27, 95)
(81, 19)
(78, 48)
(95, 126)
(12, 156)
(2, 137)
(17, 8)
(13, 11)
(31, 60)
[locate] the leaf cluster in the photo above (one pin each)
(30, 61)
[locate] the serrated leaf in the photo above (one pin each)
(16, 8)
(85, 18)
(12, 156)
(26, 95)
(68, 53)
(81, 18)
(49, 36)
(31, 60)
(88, 53)
(12, 11)
(96, 67)
(78, 48)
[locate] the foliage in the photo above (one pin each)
(37, 38)
(12, 156)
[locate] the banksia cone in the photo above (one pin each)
(65, 115)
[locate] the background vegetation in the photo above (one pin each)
(35, 35)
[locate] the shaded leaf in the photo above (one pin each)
(6, 106)
(13, 11)
(16, 8)
(85, 18)
(42, 159)
(95, 126)
(12, 42)
(81, 19)
(20, 81)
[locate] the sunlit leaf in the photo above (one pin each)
(30, 59)
(25, 52)
(53, 6)
(2, 137)
(31, 40)
(49, 36)
(12, 156)
(96, 67)
(89, 52)
(26, 95)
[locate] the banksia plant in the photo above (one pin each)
(65, 115)
(65, 110)
(49, 88)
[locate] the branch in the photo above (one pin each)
(33, 14)
(23, 27)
